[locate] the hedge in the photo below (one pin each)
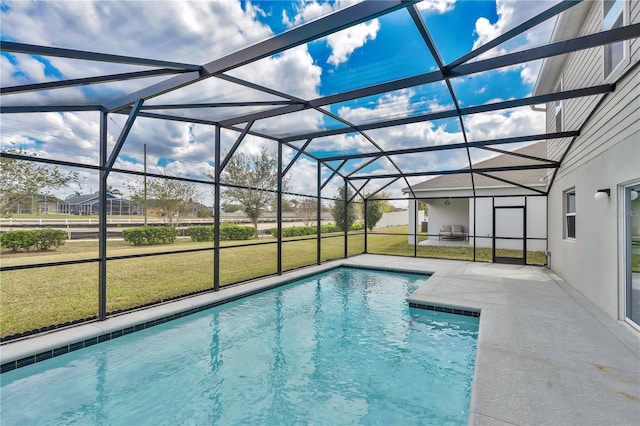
(148, 235)
(200, 233)
(299, 231)
(41, 239)
(227, 232)
(235, 232)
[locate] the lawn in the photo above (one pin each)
(35, 298)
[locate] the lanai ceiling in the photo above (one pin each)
(401, 90)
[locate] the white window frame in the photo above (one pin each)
(568, 214)
(617, 69)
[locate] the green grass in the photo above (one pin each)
(35, 298)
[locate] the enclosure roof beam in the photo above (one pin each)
(7, 109)
(358, 191)
(217, 105)
(554, 49)
(510, 182)
(515, 103)
(313, 30)
(517, 154)
(123, 134)
(460, 171)
(31, 49)
(235, 147)
(370, 197)
(363, 165)
(335, 171)
(514, 32)
(605, 37)
(49, 85)
(194, 121)
(295, 157)
(476, 144)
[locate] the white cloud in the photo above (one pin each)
(199, 31)
(345, 42)
(293, 62)
(342, 43)
(438, 6)
(502, 124)
(510, 14)
(309, 10)
(390, 105)
(529, 73)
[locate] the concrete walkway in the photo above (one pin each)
(546, 356)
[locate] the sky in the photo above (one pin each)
(197, 32)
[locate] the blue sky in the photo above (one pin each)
(380, 50)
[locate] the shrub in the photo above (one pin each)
(235, 232)
(294, 231)
(330, 228)
(200, 233)
(41, 239)
(16, 240)
(299, 231)
(148, 235)
(227, 232)
(357, 226)
(47, 238)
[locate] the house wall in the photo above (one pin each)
(454, 213)
(536, 222)
(605, 155)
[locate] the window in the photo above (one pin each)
(558, 109)
(613, 17)
(570, 214)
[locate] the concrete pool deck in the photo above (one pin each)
(546, 355)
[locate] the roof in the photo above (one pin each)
(567, 26)
(532, 177)
(86, 199)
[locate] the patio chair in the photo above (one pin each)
(445, 232)
(457, 232)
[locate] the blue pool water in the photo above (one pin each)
(341, 347)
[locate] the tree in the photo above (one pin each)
(306, 209)
(20, 179)
(424, 207)
(111, 191)
(338, 210)
(170, 199)
(255, 178)
(374, 212)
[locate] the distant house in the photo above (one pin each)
(87, 204)
(49, 204)
(450, 200)
(39, 203)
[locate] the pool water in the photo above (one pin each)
(341, 347)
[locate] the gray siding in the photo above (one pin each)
(585, 69)
(616, 119)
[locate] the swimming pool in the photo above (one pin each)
(341, 347)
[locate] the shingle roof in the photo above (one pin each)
(85, 198)
(523, 177)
